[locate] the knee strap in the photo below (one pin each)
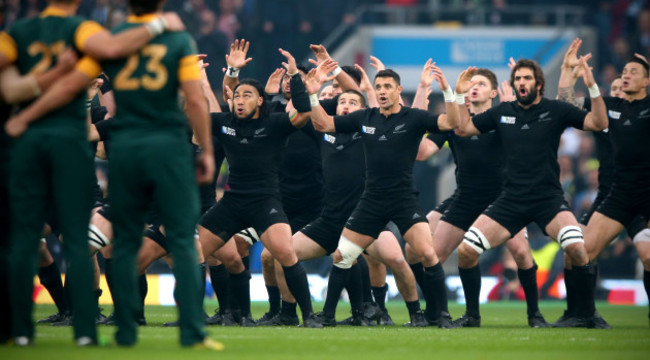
(570, 235)
(642, 236)
(476, 240)
(96, 238)
(349, 251)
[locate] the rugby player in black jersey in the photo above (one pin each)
(623, 200)
(391, 135)
(479, 181)
(529, 131)
(252, 140)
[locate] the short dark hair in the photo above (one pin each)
(141, 7)
(303, 68)
(388, 73)
(260, 90)
(492, 78)
(637, 60)
(353, 72)
(357, 93)
(537, 72)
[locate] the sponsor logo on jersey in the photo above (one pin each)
(399, 129)
(416, 216)
(614, 114)
(474, 137)
(228, 131)
(525, 127)
(273, 211)
(329, 138)
(627, 122)
(383, 138)
(243, 141)
(368, 129)
(508, 119)
(544, 116)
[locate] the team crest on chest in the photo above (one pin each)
(399, 129)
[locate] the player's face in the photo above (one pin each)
(387, 92)
(634, 78)
(482, 91)
(246, 102)
(286, 86)
(525, 86)
(616, 88)
(336, 88)
(348, 103)
(326, 93)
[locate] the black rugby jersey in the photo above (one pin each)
(479, 160)
(604, 154)
(390, 143)
(529, 140)
(253, 149)
(629, 129)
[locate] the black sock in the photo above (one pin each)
(471, 279)
(274, 299)
(247, 263)
(202, 269)
(297, 282)
(569, 283)
(584, 286)
(335, 284)
(646, 283)
(365, 279)
(143, 288)
(289, 309)
(221, 285)
(413, 306)
(418, 272)
(50, 277)
(108, 274)
(528, 280)
(379, 293)
(353, 286)
(241, 291)
(434, 278)
(98, 294)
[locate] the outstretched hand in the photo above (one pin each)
(439, 77)
(464, 81)
(505, 92)
(587, 74)
(320, 52)
(238, 51)
(274, 81)
(427, 76)
(376, 63)
(290, 64)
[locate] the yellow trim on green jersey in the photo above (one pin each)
(8, 46)
(85, 31)
(188, 69)
(89, 66)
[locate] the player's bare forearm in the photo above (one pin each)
(322, 122)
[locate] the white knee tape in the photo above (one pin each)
(570, 235)
(475, 238)
(349, 251)
(642, 236)
(96, 237)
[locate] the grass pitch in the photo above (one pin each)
(504, 335)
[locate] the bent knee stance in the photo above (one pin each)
(349, 252)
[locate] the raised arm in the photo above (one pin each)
(274, 81)
(299, 97)
(103, 45)
(597, 119)
(345, 81)
(463, 85)
(451, 119)
(569, 73)
(236, 61)
(421, 99)
(213, 103)
(319, 118)
(367, 88)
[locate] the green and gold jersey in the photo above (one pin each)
(146, 83)
(34, 44)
